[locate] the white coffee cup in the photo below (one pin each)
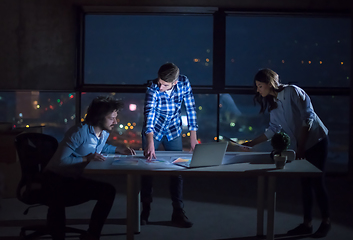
(280, 161)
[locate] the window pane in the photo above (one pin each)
(55, 111)
(130, 123)
(305, 51)
(240, 119)
(206, 108)
(129, 49)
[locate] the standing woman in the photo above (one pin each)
(291, 110)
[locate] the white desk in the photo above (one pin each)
(246, 164)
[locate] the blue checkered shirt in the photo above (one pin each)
(163, 112)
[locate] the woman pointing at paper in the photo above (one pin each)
(291, 110)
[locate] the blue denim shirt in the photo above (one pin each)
(79, 141)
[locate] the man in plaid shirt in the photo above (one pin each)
(162, 125)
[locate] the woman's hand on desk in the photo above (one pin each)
(246, 147)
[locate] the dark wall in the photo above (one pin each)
(38, 38)
(37, 45)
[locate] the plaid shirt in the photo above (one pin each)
(163, 112)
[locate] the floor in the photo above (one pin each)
(221, 209)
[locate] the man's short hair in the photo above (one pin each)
(168, 72)
(100, 107)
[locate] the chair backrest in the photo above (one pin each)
(34, 152)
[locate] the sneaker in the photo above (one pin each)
(180, 219)
(322, 230)
(302, 229)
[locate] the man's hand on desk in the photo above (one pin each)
(93, 157)
(193, 140)
(149, 152)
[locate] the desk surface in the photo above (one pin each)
(256, 164)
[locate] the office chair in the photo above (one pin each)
(34, 152)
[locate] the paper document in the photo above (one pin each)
(110, 155)
(235, 143)
(117, 155)
(182, 160)
(157, 161)
(125, 160)
(239, 145)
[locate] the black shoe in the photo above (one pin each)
(144, 217)
(302, 229)
(322, 230)
(180, 219)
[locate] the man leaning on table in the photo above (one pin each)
(83, 143)
(162, 125)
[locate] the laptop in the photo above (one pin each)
(204, 155)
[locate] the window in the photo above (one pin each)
(313, 52)
(54, 111)
(129, 49)
(239, 119)
(307, 51)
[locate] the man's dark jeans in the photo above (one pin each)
(176, 182)
(63, 192)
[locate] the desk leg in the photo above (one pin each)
(260, 205)
(271, 207)
(133, 206)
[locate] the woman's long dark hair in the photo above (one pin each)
(267, 76)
